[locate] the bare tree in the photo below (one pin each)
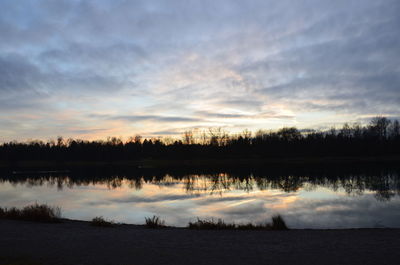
(188, 137)
(394, 130)
(379, 127)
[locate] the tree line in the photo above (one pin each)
(380, 137)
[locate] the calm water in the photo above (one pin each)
(315, 200)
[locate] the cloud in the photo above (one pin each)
(109, 60)
(210, 200)
(246, 209)
(169, 119)
(220, 115)
(227, 63)
(262, 115)
(166, 132)
(87, 131)
(344, 212)
(141, 199)
(16, 73)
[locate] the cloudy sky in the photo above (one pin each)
(92, 69)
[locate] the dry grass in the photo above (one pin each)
(277, 224)
(211, 224)
(155, 222)
(35, 213)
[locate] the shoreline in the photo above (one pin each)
(77, 242)
(115, 225)
(63, 221)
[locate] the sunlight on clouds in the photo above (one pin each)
(263, 65)
(285, 202)
(239, 203)
(197, 74)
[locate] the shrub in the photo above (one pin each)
(100, 221)
(278, 223)
(35, 212)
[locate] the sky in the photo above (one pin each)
(92, 69)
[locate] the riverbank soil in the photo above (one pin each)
(75, 242)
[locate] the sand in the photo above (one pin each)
(74, 242)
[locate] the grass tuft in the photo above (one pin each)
(35, 213)
(100, 221)
(277, 224)
(155, 222)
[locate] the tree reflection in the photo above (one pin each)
(385, 183)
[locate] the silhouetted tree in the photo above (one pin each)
(395, 129)
(289, 134)
(379, 127)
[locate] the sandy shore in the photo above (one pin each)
(74, 242)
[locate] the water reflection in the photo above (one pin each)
(316, 199)
(385, 185)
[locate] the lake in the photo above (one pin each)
(323, 198)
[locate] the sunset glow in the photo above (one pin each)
(92, 69)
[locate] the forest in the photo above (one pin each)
(380, 137)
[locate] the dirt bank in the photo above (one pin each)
(73, 242)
